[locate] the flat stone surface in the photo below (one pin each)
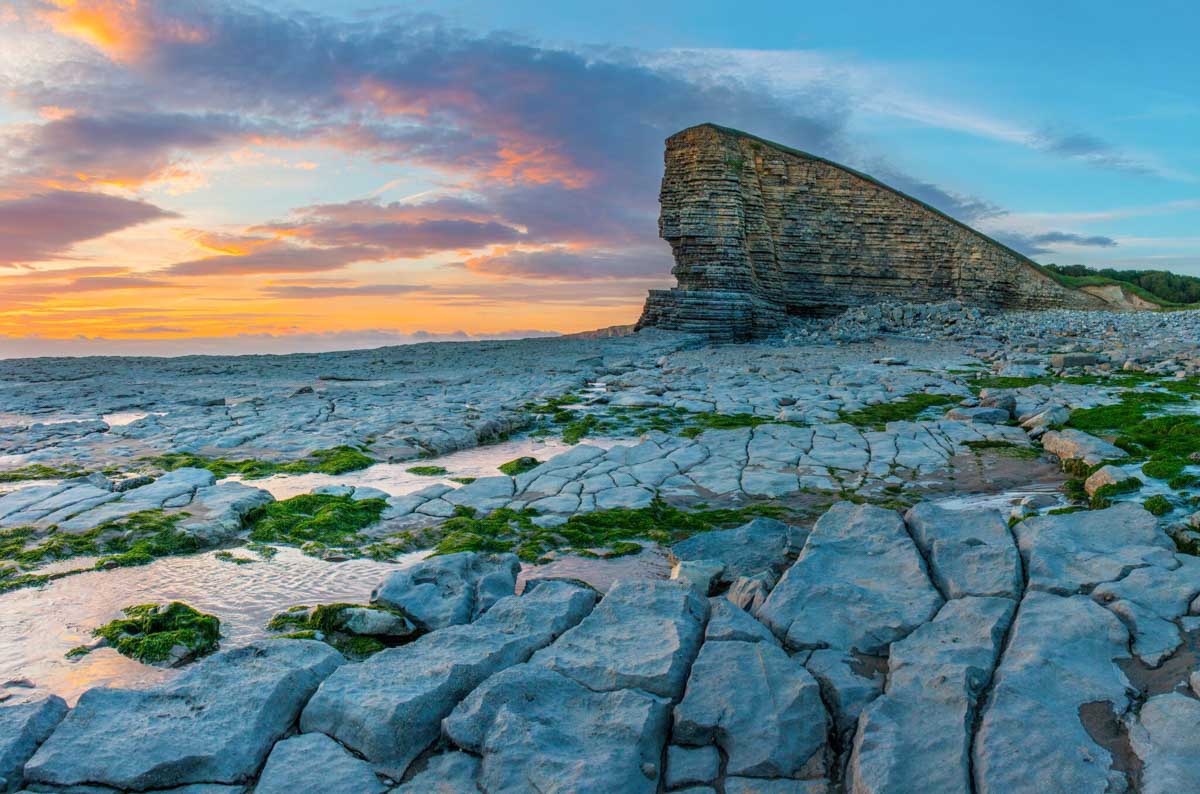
(24, 725)
(969, 552)
(859, 584)
(389, 708)
(1070, 444)
(297, 762)
(916, 736)
(449, 589)
(448, 773)
(760, 706)
(214, 724)
(758, 545)
(1164, 737)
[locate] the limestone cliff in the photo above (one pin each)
(760, 231)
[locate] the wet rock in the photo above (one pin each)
(448, 773)
(1149, 600)
(1164, 737)
(969, 552)
(847, 685)
(214, 724)
(374, 623)
(916, 737)
(689, 766)
(297, 763)
(539, 730)
(759, 545)
(1059, 658)
(389, 707)
(1071, 444)
(449, 589)
(859, 584)
(643, 635)
(24, 725)
(1073, 552)
(760, 706)
(991, 416)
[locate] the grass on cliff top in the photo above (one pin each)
(904, 409)
(148, 632)
(338, 460)
(510, 530)
(315, 522)
(137, 539)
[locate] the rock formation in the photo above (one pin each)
(760, 231)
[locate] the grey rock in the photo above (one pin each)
(1071, 444)
(762, 544)
(750, 592)
(1067, 360)
(24, 725)
(1059, 657)
(1105, 475)
(643, 635)
(1164, 738)
(916, 737)
(1149, 600)
(726, 621)
(389, 707)
(688, 766)
(214, 724)
(700, 575)
(313, 759)
(538, 730)
(755, 785)
(984, 414)
(969, 552)
(859, 584)
(449, 589)
(759, 705)
(448, 773)
(374, 622)
(848, 684)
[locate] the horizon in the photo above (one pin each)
(185, 178)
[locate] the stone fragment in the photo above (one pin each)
(389, 707)
(756, 785)
(760, 706)
(538, 730)
(750, 592)
(643, 635)
(311, 758)
(24, 725)
(916, 737)
(991, 416)
(858, 585)
(726, 621)
(969, 552)
(448, 773)
(1068, 360)
(213, 724)
(848, 684)
(449, 589)
(700, 575)
(1071, 444)
(688, 766)
(762, 544)
(1105, 475)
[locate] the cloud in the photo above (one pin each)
(46, 225)
(1045, 242)
(276, 256)
(291, 291)
(564, 264)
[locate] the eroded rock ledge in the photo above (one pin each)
(760, 231)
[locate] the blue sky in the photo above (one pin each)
(206, 169)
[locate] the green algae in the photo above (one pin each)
(506, 530)
(1102, 497)
(149, 632)
(427, 471)
(78, 652)
(904, 409)
(228, 556)
(519, 465)
(324, 623)
(37, 471)
(315, 521)
(338, 460)
(1158, 505)
(1006, 448)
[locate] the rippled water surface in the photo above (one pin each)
(38, 626)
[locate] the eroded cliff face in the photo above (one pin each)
(760, 231)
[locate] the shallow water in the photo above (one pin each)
(39, 625)
(1003, 501)
(395, 479)
(651, 563)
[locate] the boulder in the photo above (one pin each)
(643, 635)
(760, 706)
(1105, 475)
(1070, 444)
(983, 414)
(726, 621)
(848, 684)
(296, 764)
(389, 708)
(213, 724)
(24, 725)
(701, 575)
(762, 544)
(969, 552)
(538, 730)
(448, 773)
(858, 585)
(449, 589)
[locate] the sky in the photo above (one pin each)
(207, 176)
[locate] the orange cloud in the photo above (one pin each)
(124, 30)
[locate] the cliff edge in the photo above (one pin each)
(760, 231)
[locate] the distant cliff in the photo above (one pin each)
(760, 231)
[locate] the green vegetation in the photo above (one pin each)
(338, 460)
(77, 652)
(427, 471)
(509, 530)
(1164, 469)
(37, 471)
(315, 522)
(1133, 408)
(463, 480)
(1006, 448)
(904, 409)
(1158, 505)
(1157, 286)
(149, 632)
(519, 466)
(325, 623)
(228, 556)
(1102, 498)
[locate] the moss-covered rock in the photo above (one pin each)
(338, 460)
(168, 635)
(317, 523)
(519, 465)
(357, 630)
